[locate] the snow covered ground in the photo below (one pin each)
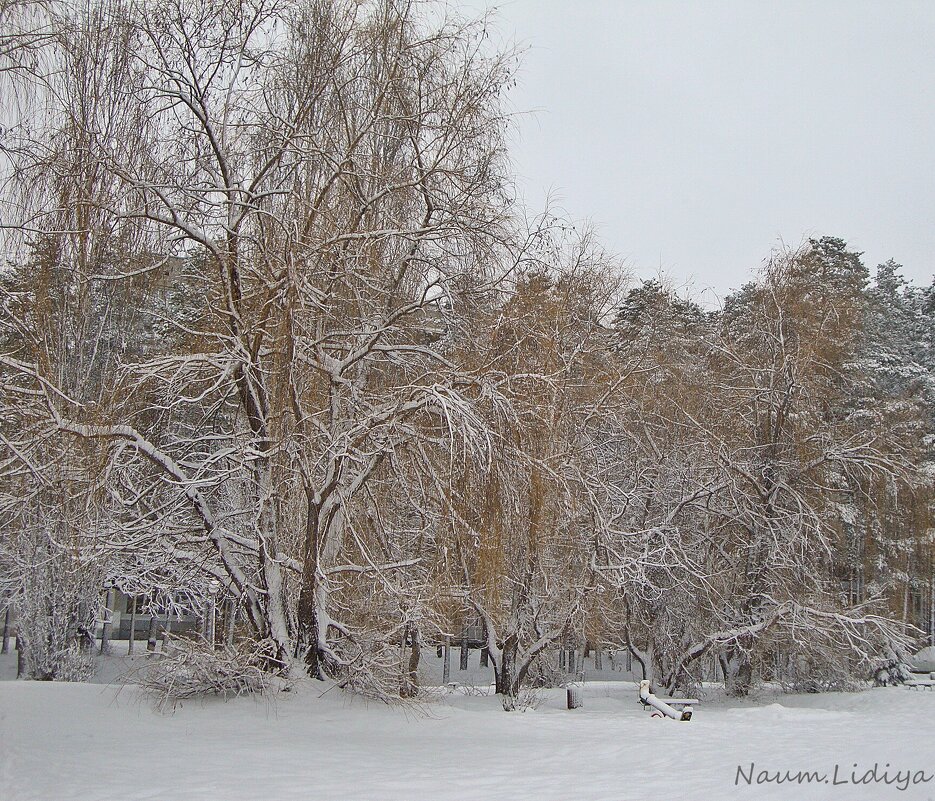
(96, 741)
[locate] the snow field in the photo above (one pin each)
(90, 742)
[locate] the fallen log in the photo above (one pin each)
(675, 708)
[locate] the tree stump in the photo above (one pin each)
(575, 696)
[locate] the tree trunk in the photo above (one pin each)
(722, 664)
(598, 659)
(108, 622)
(314, 595)
(738, 679)
(410, 683)
(85, 624)
(464, 649)
(507, 684)
(313, 628)
(484, 656)
(132, 625)
(274, 600)
(231, 623)
(211, 614)
(20, 655)
(6, 632)
(308, 628)
(647, 660)
(446, 669)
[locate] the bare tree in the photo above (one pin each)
(521, 519)
(329, 180)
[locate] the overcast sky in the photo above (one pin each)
(699, 135)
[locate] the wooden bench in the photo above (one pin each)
(922, 684)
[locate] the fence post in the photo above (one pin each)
(932, 613)
(166, 631)
(132, 625)
(151, 638)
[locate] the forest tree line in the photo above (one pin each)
(272, 315)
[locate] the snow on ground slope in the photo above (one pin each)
(924, 660)
(84, 741)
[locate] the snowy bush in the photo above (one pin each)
(545, 672)
(54, 660)
(49, 575)
(527, 698)
(53, 647)
(810, 682)
(474, 690)
(55, 611)
(891, 671)
(813, 671)
(192, 669)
